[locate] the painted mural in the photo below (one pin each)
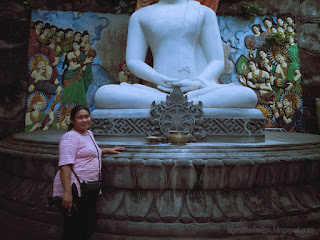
(265, 58)
(72, 54)
(68, 63)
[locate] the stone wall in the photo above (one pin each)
(14, 27)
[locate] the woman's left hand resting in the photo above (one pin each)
(114, 150)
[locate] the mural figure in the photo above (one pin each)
(256, 79)
(90, 53)
(268, 22)
(61, 70)
(35, 117)
(289, 117)
(43, 77)
(68, 40)
(257, 30)
(265, 62)
(288, 73)
(74, 76)
(34, 39)
(63, 117)
(272, 70)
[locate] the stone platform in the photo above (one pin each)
(201, 190)
(224, 124)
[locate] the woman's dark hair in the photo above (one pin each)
(74, 112)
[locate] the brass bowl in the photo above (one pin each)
(179, 137)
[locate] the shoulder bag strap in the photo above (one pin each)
(98, 156)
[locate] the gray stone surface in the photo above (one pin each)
(197, 190)
(308, 38)
(310, 9)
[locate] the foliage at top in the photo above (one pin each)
(250, 10)
(125, 6)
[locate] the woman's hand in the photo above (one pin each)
(114, 150)
(67, 201)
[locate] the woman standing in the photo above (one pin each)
(80, 155)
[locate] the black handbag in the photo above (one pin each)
(90, 188)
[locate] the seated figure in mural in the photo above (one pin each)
(35, 117)
(289, 117)
(43, 78)
(257, 79)
(187, 52)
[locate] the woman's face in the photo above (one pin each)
(81, 121)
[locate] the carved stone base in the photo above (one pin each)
(194, 191)
(219, 124)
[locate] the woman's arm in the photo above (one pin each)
(65, 176)
(114, 150)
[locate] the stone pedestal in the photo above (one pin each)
(220, 124)
(195, 191)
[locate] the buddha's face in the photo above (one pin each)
(274, 30)
(53, 30)
(37, 106)
(286, 103)
(279, 58)
(41, 65)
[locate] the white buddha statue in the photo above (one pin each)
(185, 41)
